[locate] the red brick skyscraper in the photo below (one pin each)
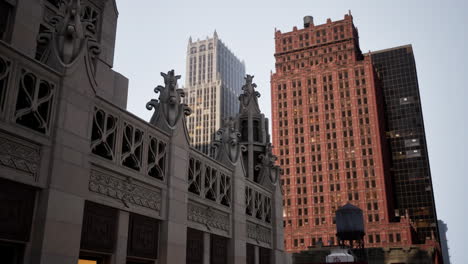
(328, 129)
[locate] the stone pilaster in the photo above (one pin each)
(237, 252)
(120, 256)
(173, 236)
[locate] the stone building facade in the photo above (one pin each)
(214, 77)
(84, 181)
(333, 109)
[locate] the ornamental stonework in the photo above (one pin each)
(125, 190)
(208, 216)
(19, 155)
(258, 233)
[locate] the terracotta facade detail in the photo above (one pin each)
(208, 216)
(259, 233)
(23, 157)
(124, 190)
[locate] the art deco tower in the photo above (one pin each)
(330, 124)
(214, 77)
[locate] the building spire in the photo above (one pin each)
(169, 109)
(248, 100)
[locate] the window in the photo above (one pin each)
(411, 142)
(12, 252)
(377, 238)
(6, 17)
(413, 153)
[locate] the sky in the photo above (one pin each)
(152, 37)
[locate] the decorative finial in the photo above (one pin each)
(267, 165)
(249, 98)
(70, 35)
(169, 107)
(226, 143)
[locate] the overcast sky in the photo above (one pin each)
(152, 37)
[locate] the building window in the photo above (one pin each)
(6, 18)
(413, 153)
(55, 3)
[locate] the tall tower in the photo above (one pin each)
(411, 175)
(329, 126)
(214, 77)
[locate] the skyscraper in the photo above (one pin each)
(214, 77)
(330, 118)
(411, 175)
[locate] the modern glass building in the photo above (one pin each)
(411, 175)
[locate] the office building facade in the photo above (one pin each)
(330, 126)
(404, 124)
(214, 77)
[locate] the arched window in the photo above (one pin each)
(256, 130)
(202, 48)
(244, 130)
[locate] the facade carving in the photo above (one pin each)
(209, 180)
(210, 217)
(136, 141)
(104, 134)
(169, 108)
(248, 99)
(267, 167)
(259, 233)
(34, 102)
(18, 155)
(226, 142)
(72, 31)
(125, 190)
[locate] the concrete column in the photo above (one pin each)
(61, 203)
(120, 256)
(277, 221)
(206, 248)
(257, 254)
(174, 229)
(237, 252)
(58, 234)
